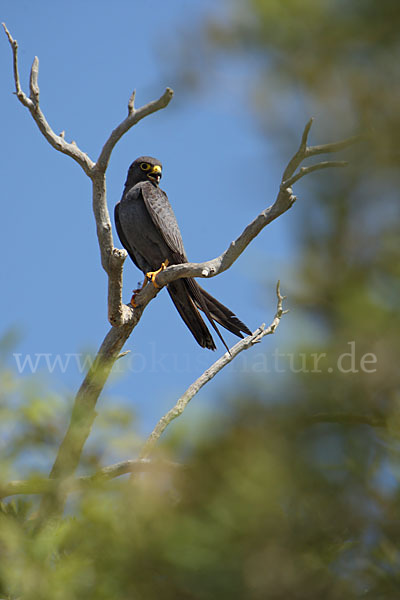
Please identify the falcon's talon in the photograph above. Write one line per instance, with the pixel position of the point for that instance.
(151, 275)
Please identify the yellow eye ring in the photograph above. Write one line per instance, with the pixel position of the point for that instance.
(145, 166)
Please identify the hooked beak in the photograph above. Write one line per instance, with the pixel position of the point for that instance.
(155, 174)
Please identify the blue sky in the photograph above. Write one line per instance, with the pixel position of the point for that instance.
(92, 55)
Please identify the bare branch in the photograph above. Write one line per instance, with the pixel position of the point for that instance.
(103, 225)
(300, 155)
(33, 81)
(32, 104)
(210, 373)
(305, 151)
(304, 137)
(131, 103)
(306, 170)
(14, 47)
(134, 116)
(138, 465)
(83, 413)
(333, 147)
(118, 313)
(39, 485)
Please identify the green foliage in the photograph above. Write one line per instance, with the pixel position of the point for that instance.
(269, 507)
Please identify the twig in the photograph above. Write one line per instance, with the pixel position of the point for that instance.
(41, 485)
(210, 373)
(306, 170)
(333, 147)
(14, 46)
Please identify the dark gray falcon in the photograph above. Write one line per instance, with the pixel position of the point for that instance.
(148, 230)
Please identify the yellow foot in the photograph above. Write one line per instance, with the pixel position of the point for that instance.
(151, 275)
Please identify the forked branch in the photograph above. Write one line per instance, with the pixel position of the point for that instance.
(32, 103)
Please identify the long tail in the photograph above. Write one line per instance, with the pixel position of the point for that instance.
(189, 297)
(223, 315)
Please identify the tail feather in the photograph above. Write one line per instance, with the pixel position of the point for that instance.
(197, 297)
(190, 315)
(188, 297)
(224, 316)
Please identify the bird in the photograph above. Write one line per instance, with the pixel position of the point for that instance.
(148, 230)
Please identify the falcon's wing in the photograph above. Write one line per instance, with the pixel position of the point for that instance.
(121, 235)
(163, 217)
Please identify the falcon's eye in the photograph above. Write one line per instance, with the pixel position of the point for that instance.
(145, 166)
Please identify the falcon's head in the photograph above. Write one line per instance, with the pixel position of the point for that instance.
(142, 169)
